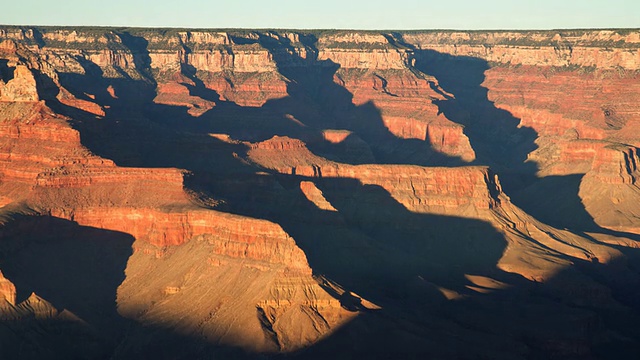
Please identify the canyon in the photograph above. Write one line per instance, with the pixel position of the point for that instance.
(184, 193)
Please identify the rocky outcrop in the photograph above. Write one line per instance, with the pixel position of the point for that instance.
(313, 194)
(256, 305)
(461, 190)
(361, 51)
(616, 164)
(407, 108)
(36, 322)
(450, 140)
(21, 88)
(7, 290)
(235, 236)
(610, 191)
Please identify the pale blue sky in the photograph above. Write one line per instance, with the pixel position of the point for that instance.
(328, 14)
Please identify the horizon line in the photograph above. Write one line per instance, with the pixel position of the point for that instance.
(150, 27)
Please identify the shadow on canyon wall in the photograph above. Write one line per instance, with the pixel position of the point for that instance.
(314, 103)
(74, 268)
(495, 134)
(373, 246)
(77, 270)
(409, 263)
(319, 102)
(501, 143)
(6, 72)
(400, 268)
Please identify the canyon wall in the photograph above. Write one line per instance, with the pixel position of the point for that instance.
(308, 192)
(586, 48)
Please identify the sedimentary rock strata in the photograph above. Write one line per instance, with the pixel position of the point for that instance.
(309, 193)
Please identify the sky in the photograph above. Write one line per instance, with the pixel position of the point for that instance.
(327, 14)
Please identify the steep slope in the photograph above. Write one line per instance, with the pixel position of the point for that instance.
(45, 168)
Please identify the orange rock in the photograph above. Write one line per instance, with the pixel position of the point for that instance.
(335, 136)
(7, 290)
(616, 164)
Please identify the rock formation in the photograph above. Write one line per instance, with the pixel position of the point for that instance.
(7, 290)
(313, 193)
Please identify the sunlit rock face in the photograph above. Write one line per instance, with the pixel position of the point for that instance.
(315, 194)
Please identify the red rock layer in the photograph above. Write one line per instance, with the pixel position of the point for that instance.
(248, 89)
(461, 190)
(150, 204)
(592, 105)
(176, 93)
(571, 111)
(616, 164)
(43, 153)
(236, 236)
(40, 152)
(407, 110)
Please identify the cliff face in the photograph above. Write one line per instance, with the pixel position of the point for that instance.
(595, 48)
(299, 188)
